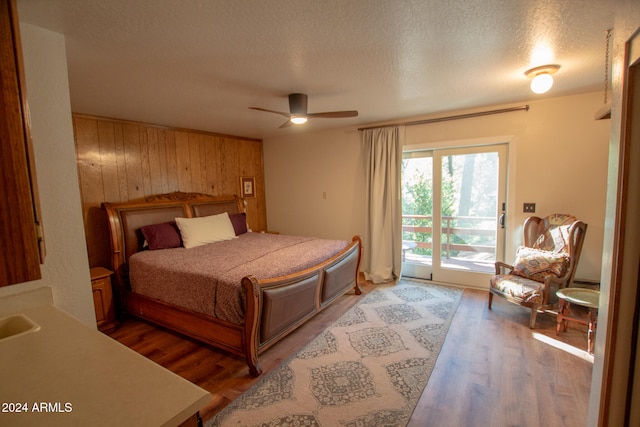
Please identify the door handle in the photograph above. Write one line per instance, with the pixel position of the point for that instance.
(501, 219)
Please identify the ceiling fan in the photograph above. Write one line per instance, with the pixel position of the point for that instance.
(298, 111)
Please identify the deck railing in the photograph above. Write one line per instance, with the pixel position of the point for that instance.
(460, 226)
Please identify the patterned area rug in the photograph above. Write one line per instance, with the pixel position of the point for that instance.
(368, 369)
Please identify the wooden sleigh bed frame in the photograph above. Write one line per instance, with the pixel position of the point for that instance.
(274, 307)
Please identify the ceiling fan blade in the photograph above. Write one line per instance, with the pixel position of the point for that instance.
(334, 114)
(270, 111)
(285, 124)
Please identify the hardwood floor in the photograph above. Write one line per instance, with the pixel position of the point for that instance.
(492, 371)
(495, 371)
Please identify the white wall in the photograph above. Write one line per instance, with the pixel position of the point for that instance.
(560, 163)
(300, 169)
(66, 268)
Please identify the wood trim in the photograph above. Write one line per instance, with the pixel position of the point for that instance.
(26, 114)
(619, 359)
(19, 206)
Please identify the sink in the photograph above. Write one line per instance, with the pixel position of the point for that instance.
(16, 325)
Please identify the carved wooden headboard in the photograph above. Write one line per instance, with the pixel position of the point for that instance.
(126, 218)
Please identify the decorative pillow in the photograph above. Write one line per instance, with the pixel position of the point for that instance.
(162, 236)
(536, 265)
(206, 229)
(239, 222)
(554, 233)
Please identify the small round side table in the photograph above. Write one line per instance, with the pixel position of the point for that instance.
(588, 298)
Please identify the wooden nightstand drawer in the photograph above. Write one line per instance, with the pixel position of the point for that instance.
(103, 299)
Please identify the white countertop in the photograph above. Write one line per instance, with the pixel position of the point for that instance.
(82, 377)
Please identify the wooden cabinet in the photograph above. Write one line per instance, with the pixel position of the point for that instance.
(103, 299)
(21, 244)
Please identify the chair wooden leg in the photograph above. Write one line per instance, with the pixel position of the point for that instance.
(532, 321)
(490, 299)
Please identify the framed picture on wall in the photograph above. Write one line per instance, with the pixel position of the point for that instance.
(248, 186)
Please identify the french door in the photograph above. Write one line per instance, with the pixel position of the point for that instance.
(453, 213)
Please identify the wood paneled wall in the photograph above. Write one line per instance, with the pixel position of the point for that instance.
(120, 161)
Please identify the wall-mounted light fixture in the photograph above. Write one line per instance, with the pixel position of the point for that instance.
(541, 80)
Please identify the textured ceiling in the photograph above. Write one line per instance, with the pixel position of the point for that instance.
(201, 63)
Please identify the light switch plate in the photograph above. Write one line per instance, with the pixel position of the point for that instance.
(529, 208)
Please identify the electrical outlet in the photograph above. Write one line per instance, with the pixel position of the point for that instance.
(529, 208)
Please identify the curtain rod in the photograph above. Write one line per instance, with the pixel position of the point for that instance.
(460, 116)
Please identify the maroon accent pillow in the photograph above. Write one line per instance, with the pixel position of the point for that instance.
(162, 236)
(239, 222)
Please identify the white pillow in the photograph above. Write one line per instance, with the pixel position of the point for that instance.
(206, 229)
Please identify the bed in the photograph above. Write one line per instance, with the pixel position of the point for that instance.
(247, 306)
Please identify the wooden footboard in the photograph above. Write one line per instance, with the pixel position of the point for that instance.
(276, 307)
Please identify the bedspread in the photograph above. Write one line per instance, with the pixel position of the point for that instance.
(207, 279)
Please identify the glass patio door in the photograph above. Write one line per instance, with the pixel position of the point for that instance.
(453, 203)
(417, 214)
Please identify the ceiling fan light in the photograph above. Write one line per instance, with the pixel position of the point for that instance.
(541, 83)
(298, 120)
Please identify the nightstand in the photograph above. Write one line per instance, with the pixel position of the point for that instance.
(103, 299)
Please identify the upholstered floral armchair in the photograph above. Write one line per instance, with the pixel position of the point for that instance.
(547, 262)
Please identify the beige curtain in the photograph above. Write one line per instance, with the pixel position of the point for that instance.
(382, 253)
